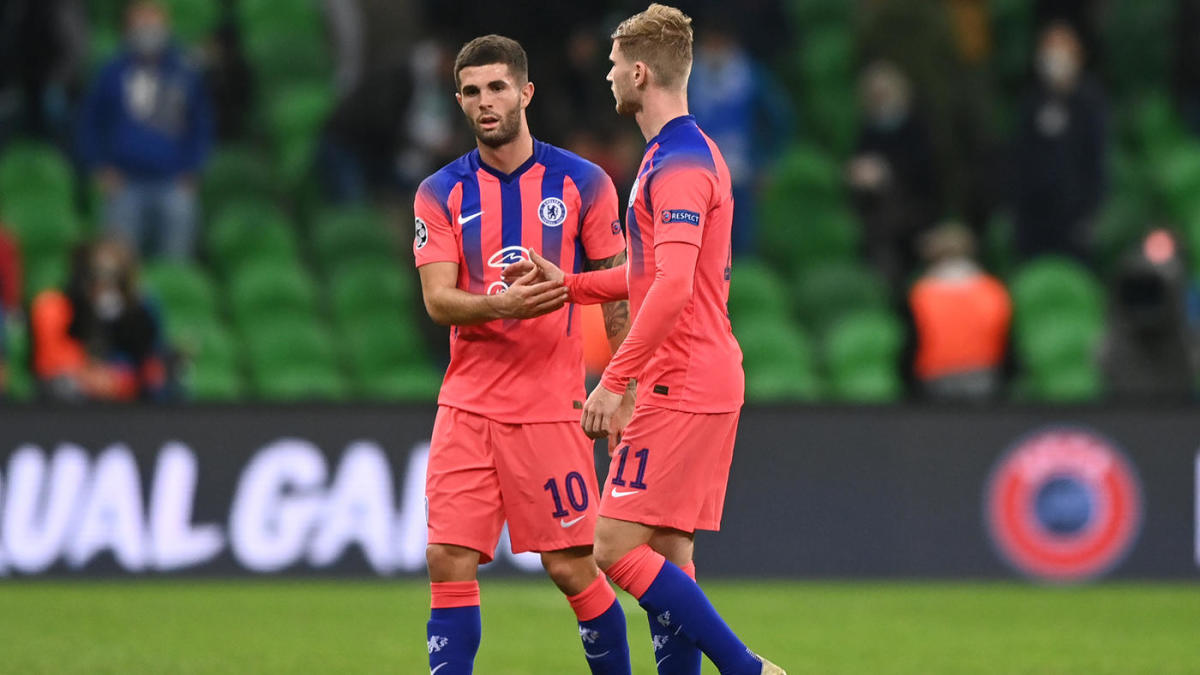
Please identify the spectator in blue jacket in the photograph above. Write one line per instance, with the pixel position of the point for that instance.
(145, 132)
(736, 102)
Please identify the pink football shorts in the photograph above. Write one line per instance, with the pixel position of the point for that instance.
(540, 477)
(671, 469)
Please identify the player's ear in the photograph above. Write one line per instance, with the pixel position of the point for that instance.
(641, 74)
(526, 94)
(458, 97)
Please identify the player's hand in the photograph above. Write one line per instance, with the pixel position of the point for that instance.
(511, 273)
(527, 298)
(549, 271)
(621, 419)
(600, 413)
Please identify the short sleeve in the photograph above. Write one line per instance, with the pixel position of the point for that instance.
(435, 240)
(681, 196)
(600, 229)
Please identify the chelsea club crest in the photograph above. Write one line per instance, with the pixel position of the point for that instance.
(552, 212)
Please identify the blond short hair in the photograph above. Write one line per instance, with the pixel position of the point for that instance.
(660, 37)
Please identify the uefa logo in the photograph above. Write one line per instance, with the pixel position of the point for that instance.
(1063, 505)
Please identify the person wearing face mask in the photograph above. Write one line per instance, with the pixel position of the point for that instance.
(99, 339)
(892, 175)
(145, 131)
(1059, 168)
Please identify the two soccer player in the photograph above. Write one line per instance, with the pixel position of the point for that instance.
(669, 475)
(506, 441)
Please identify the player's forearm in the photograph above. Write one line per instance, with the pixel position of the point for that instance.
(456, 307)
(616, 322)
(669, 294)
(593, 288)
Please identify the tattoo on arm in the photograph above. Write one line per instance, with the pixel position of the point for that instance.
(616, 314)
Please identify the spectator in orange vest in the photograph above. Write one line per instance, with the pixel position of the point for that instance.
(98, 340)
(961, 317)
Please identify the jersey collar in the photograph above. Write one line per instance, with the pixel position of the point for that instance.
(509, 177)
(674, 124)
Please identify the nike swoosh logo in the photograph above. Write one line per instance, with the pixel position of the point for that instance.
(569, 523)
(618, 494)
(440, 666)
(589, 655)
(659, 663)
(464, 221)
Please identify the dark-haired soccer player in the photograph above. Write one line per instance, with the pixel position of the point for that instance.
(668, 477)
(506, 441)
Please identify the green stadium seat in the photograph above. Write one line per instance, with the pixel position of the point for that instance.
(383, 343)
(809, 236)
(217, 383)
(418, 383)
(19, 385)
(827, 292)
(838, 13)
(44, 227)
(1061, 341)
(1135, 36)
(1178, 178)
(363, 290)
(235, 174)
(46, 273)
(1122, 223)
(283, 59)
(778, 358)
(29, 170)
(862, 354)
(756, 290)
(1072, 384)
(352, 234)
(1052, 287)
(299, 18)
(250, 231)
(294, 359)
(267, 290)
(827, 58)
(182, 288)
(193, 21)
(295, 115)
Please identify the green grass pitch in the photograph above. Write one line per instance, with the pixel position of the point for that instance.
(376, 627)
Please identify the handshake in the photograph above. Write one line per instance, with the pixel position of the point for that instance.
(534, 287)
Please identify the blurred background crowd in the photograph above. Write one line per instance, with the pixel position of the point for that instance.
(976, 200)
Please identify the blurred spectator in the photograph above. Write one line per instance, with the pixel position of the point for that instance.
(961, 318)
(43, 49)
(1186, 69)
(228, 78)
(739, 105)
(1084, 18)
(1061, 147)
(146, 130)
(1149, 352)
(99, 340)
(578, 96)
(430, 131)
(892, 174)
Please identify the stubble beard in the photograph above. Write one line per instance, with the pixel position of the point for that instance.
(504, 133)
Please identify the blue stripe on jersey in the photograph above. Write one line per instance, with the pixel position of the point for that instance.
(578, 268)
(510, 206)
(552, 186)
(472, 244)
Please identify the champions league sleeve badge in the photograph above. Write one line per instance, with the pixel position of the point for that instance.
(1063, 505)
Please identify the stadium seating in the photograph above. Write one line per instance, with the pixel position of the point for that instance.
(250, 230)
(292, 359)
(795, 239)
(779, 360)
(351, 235)
(193, 20)
(183, 289)
(758, 291)
(365, 289)
(862, 354)
(35, 171)
(267, 291)
(295, 114)
(826, 292)
(1050, 288)
(234, 174)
